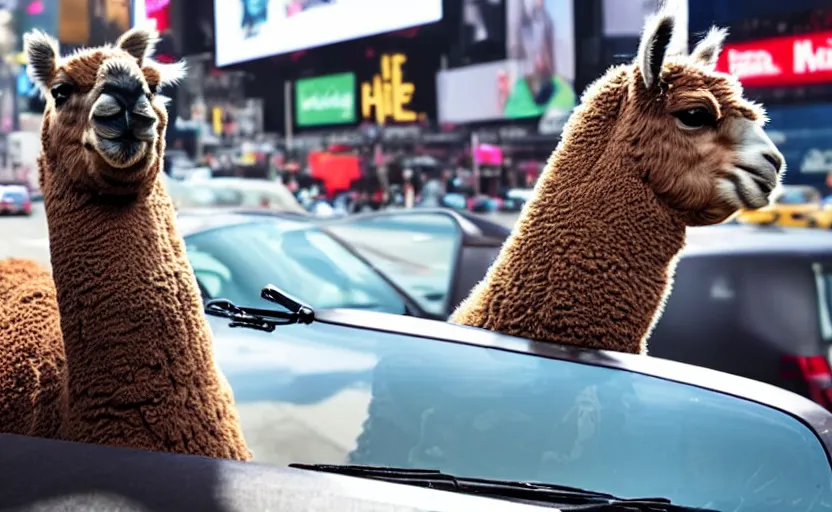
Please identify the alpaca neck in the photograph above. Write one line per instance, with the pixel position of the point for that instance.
(138, 347)
(592, 255)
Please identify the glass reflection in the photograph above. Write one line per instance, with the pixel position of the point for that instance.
(382, 399)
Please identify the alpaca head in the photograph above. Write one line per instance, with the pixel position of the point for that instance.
(104, 123)
(688, 130)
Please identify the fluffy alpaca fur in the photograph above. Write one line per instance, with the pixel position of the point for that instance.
(31, 351)
(655, 146)
(140, 369)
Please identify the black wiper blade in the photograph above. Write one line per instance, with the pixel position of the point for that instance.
(263, 319)
(565, 497)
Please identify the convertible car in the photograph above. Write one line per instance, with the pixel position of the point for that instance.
(342, 387)
(763, 289)
(479, 418)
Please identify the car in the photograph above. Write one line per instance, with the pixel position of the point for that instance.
(822, 218)
(794, 206)
(373, 389)
(417, 262)
(755, 301)
(764, 290)
(15, 199)
(232, 192)
(755, 284)
(327, 390)
(483, 420)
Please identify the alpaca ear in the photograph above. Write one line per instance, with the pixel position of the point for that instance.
(42, 53)
(708, 50)
(658, 32)
(171, 74)
(139, 42)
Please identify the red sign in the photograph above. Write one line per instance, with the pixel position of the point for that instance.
(158, 10)
(780, 61)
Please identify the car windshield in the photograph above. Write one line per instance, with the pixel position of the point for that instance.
(375, 398)
(235, 262)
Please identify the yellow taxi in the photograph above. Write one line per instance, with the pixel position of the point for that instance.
(823, 217)
(794, 206)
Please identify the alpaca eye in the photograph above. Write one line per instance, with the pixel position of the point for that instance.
(695, 118)
(61, 93)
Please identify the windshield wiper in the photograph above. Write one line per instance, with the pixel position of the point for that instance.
(263, 319)
(564, 497)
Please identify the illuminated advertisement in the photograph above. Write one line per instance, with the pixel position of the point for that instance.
(781, 61)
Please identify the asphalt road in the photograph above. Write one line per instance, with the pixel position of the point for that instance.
(281, 432)
(25, 237)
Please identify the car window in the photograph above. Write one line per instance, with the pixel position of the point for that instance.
(212, 275)
(417, 252)
(337, 395)
(237, 261)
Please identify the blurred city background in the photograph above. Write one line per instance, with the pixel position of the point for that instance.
(451, 102)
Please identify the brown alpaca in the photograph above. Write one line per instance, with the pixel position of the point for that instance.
(655, 146)
(31, 351)
(140, 364)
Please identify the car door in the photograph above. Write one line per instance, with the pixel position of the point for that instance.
(417, 251)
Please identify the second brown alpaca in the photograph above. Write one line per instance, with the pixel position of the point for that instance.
(140, 369)
(655, 146)
(32, 357)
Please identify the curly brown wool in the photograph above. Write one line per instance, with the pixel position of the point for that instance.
(591, 259)
(31, 351)
(140, 368)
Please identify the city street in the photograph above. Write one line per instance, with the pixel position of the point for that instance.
(25, 237)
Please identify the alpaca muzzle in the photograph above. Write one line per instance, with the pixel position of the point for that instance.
(757, 166)
(117, 116)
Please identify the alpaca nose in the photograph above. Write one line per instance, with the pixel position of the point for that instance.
(776, 161)
(122, 110)
(125, 96)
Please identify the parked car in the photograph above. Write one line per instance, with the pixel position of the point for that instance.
(754, 301)
(374, 389)
(233, 192)
(822, 218)
(15, 199)
(417, 262)
(794, 206)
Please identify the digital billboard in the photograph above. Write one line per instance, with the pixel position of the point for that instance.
(252, 29)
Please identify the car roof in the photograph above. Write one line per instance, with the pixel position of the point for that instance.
(35, 475)
(476, 230)
(743, 239)
(198, 220)
(14, 186)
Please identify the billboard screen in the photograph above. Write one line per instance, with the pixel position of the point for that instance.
(325, 100)
(780, 61)
(537, 77)
(252, 29)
